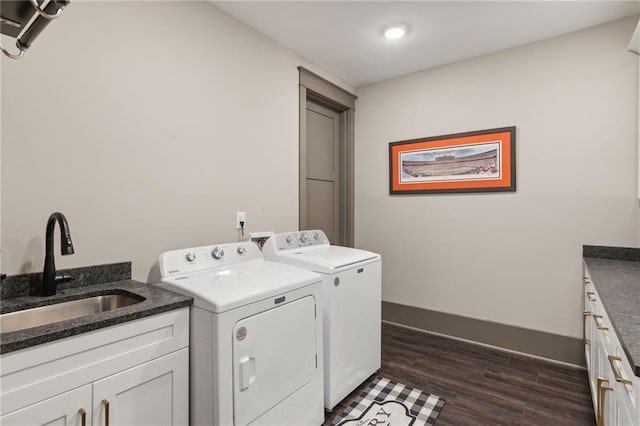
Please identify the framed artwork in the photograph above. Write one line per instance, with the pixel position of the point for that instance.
(479, 161)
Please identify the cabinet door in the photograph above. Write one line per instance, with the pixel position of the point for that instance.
(596, 371)
(590, 353)
(614, 411)
(627, 394)
(621, 416)
(62, 410)
(588, 334)
(154, 393)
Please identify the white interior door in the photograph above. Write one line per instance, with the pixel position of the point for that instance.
(274, 355)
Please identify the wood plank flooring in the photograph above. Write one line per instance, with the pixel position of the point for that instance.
(483, 385)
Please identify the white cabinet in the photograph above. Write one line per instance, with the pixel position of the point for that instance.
(615, 389)
(62, 410)
(150, 394)
(130, 374)
(590, 344)
(154, 393)
(618, 403)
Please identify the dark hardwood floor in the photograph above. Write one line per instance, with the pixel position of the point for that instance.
(483, 385)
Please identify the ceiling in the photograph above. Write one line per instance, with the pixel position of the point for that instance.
(345, 37)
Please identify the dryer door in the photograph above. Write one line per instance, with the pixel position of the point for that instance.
(274, 354)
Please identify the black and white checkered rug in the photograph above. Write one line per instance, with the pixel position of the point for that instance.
(384, 402)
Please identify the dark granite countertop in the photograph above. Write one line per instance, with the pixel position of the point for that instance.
(615, 273)
(156, 300)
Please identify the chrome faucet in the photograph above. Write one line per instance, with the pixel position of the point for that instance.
(49, 279)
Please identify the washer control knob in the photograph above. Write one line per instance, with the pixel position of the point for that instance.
(303, 237)
(289, 239)
(191, 256)
(217, 253)
(241, 250)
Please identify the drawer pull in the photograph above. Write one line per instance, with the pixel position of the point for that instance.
(105, 402)
(601, 399)
(616, 372)
(585, 314)
(83, 417)
(591, 296)
(598, 323)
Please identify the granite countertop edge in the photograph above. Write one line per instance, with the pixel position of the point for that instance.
(615, 273)
(156, 301)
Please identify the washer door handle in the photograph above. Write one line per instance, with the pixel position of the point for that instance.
(247, 367)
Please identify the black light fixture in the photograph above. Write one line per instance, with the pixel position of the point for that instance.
(25, 20)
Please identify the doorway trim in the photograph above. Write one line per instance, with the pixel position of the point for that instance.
(316, 89)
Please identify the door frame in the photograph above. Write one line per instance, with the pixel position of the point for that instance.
(318, 90)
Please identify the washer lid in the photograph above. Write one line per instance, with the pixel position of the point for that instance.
(325, 258)
(224, 289)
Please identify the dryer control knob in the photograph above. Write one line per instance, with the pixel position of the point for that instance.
(303, 237)
(191, 256)
(241, 250)
(289, 239)
(217, 253)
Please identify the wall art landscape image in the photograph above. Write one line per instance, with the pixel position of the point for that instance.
(468, 162)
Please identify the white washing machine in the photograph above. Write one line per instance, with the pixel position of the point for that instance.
(351, 281)
(256, 353)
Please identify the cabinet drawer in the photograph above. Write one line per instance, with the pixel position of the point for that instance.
(589, 292)
(602, 329)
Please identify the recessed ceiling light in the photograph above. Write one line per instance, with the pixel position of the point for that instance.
(395, 32)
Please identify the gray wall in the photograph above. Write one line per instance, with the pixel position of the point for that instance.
(148, 125)
(512, 258)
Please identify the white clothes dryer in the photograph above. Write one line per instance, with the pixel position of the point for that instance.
(256, 353)
(351, 281)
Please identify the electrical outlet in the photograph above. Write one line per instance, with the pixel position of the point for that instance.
(241, 217)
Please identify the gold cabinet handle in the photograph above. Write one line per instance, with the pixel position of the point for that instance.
(105, 402)
(598, 324)
(591, 296)
(616, 373)
(585, 314)
(601, 398)
(83, 417)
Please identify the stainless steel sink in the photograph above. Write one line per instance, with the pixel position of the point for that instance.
(34, 317)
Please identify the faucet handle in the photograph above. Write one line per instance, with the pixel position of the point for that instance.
(64, 278)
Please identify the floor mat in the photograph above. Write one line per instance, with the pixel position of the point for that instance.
(384, 402)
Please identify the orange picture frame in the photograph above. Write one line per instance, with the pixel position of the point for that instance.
(478, 161)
